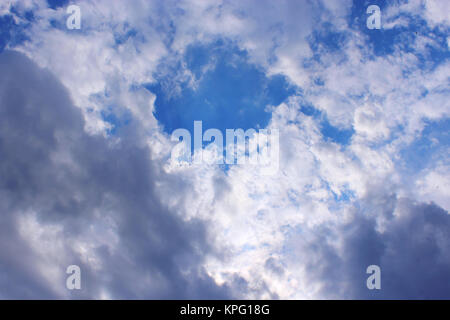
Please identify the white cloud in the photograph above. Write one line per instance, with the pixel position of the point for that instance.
(434, 185)
(436, 11)
(252, 218)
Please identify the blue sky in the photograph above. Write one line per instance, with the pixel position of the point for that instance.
(363, 172)
(234, 93)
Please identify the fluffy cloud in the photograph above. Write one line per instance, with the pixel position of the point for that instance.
(141, 228)
(71, 198)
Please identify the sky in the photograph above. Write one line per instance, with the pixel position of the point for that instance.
(87, 176)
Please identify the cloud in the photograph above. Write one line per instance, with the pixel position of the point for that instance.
(71, 198)
(76, 189)
(411, 249)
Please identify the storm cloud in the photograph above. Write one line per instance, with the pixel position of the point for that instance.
(85, 185)
(411, 245)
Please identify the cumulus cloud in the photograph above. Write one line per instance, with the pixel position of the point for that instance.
(71, 198)
(74, 192)
(410, 246)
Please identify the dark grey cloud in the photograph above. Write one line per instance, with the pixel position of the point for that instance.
(50, 166)
(411, 245)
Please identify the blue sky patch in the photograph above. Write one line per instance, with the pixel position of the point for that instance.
(116, 122)
(335, 134)
(229, 93)
(55, 4)
(12, 34)
(431, 146)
